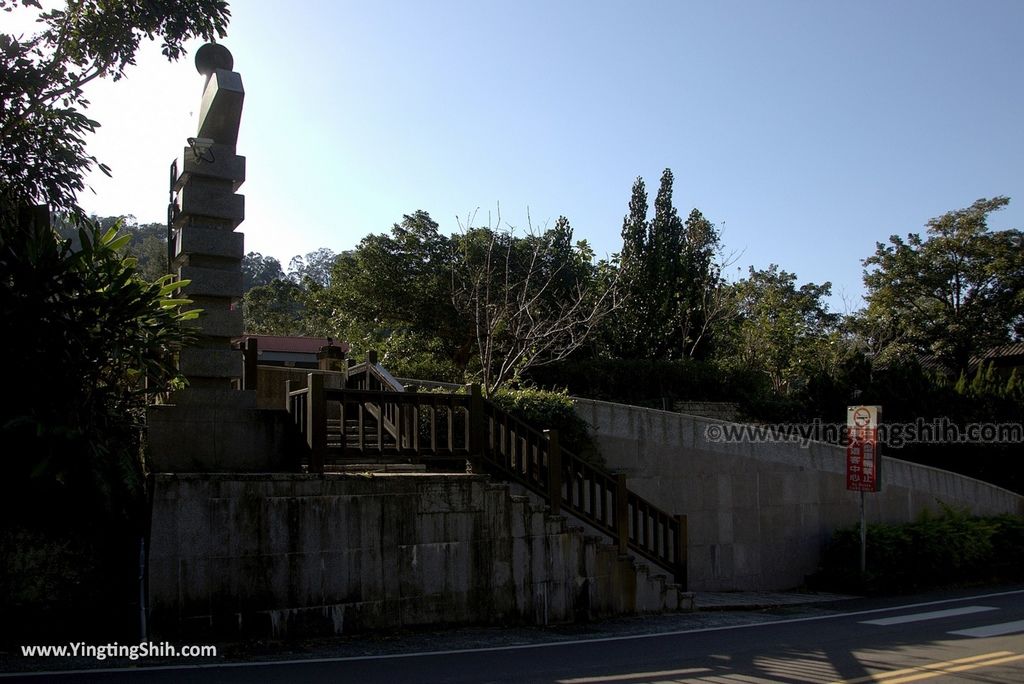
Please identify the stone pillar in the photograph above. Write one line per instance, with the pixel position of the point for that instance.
(205, 212)
(331, 357)
(210, 426)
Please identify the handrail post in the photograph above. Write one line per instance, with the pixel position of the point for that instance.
(371, 381)
(288, 384)
(622, 513)
(476, 423)
(682, 555)
(249, 372)
(316, 422)
(554, 472)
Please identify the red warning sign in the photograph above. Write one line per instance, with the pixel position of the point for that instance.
(862, 448)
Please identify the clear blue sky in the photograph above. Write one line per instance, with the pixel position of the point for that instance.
(807, 130)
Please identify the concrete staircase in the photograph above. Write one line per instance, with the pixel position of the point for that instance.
(615, 583)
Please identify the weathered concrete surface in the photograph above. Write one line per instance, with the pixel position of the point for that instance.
(286, 555)
(221, 110)
(759, 514)
(223, 437)
(719, 410)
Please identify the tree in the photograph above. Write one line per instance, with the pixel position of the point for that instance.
(87, 326)
(672, 290)
(150, 253)
(90, 342)
(43, 126)
(631, 325)
(277, 308)
(523, 310)
(147, 242)
(703, 302)
(665, 264)
(393, 293)
(953, 293)
(314, 269)
(779, 327)
(259, 270)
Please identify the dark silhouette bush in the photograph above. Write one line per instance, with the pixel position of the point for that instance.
(950, 549)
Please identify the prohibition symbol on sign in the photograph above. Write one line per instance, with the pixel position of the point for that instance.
(861, 417)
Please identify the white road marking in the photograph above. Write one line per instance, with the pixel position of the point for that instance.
(935, 667)
(513, 647)
(633, 675)
(933, 615)
(992, 630)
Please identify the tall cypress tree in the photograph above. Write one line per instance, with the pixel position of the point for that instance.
(634, 228)
(668, 275)
(631, 329)
(666, 246)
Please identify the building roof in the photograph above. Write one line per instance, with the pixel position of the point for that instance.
(932, 363)
(1007, 355)
(1005, 351)
(300, 345)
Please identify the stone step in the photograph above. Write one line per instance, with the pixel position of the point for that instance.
(396, 467)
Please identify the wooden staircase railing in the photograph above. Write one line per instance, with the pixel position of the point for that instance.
(426, 426)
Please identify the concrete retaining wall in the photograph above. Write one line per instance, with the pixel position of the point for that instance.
(221, 431)
(759, 514)
(719, 410)
(287, 555)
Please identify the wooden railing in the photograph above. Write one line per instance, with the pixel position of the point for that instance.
(369, 375)
(346, 423)
(536, 460)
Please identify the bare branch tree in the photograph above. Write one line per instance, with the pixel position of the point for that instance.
(717, 302)
(530, 300)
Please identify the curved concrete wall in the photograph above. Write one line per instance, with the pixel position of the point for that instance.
(759, 513)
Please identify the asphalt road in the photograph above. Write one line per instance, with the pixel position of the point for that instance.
(976, 637)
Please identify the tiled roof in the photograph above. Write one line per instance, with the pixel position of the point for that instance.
(301, 345)
(1004, 351)
(930, 362)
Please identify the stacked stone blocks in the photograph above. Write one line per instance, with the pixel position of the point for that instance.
(207, 251)
(211, 426)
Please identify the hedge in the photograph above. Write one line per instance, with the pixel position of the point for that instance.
(949, 549)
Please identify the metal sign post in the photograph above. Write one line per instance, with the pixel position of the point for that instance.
(863, 537)
(862, 463)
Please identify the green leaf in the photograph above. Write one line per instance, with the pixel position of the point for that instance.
(119, 243)
(170, 287)
(109, 235)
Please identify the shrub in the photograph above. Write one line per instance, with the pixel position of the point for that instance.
(550, 410)
(646, 382)
(947, 549)
(88, 345)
